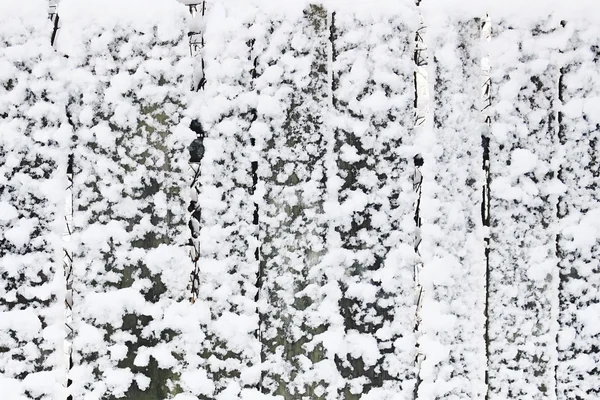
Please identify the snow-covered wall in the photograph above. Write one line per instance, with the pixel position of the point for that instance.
(371, 202)
(363, 229)
(579, 239)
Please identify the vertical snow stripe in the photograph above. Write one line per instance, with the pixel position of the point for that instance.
(452, 246)
(227, 265)
(579, 242)
(130, 259)
(523, 167)
(292, 97)
(373, 214)
(33, 158)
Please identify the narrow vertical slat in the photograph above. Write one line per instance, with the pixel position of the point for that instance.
(578, 375)
(523, 264)
(452, 247)
(33, 159)
(373, 215)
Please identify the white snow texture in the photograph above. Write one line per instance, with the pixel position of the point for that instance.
(364, 223)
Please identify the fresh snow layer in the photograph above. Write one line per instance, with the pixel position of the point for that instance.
(134, 12)
(129, 79)
(451, 333)
(524, 164)
(333, 307)
(32, 9)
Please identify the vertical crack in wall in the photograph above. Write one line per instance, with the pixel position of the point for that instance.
(331, 58)
(253, 116)
(196, 149)
(196, 42)
(421, 101)
(263, 232)
(486, 33)
(417, 182)
(68, 261)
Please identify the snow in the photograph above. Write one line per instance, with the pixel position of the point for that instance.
(32, 10)
(130, 259)
(451, 315)
(364, 275)
(526, 12)
(32, 183)
(578, 237)
(198, 383)
(523, 160)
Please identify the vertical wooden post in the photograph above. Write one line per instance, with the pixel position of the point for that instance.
(375, 232)
(578, 243)
(229, 350)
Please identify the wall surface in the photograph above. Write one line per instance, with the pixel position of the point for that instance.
(299, 200)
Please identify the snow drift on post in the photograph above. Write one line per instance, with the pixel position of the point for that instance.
(228, 357)
(292, 90)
